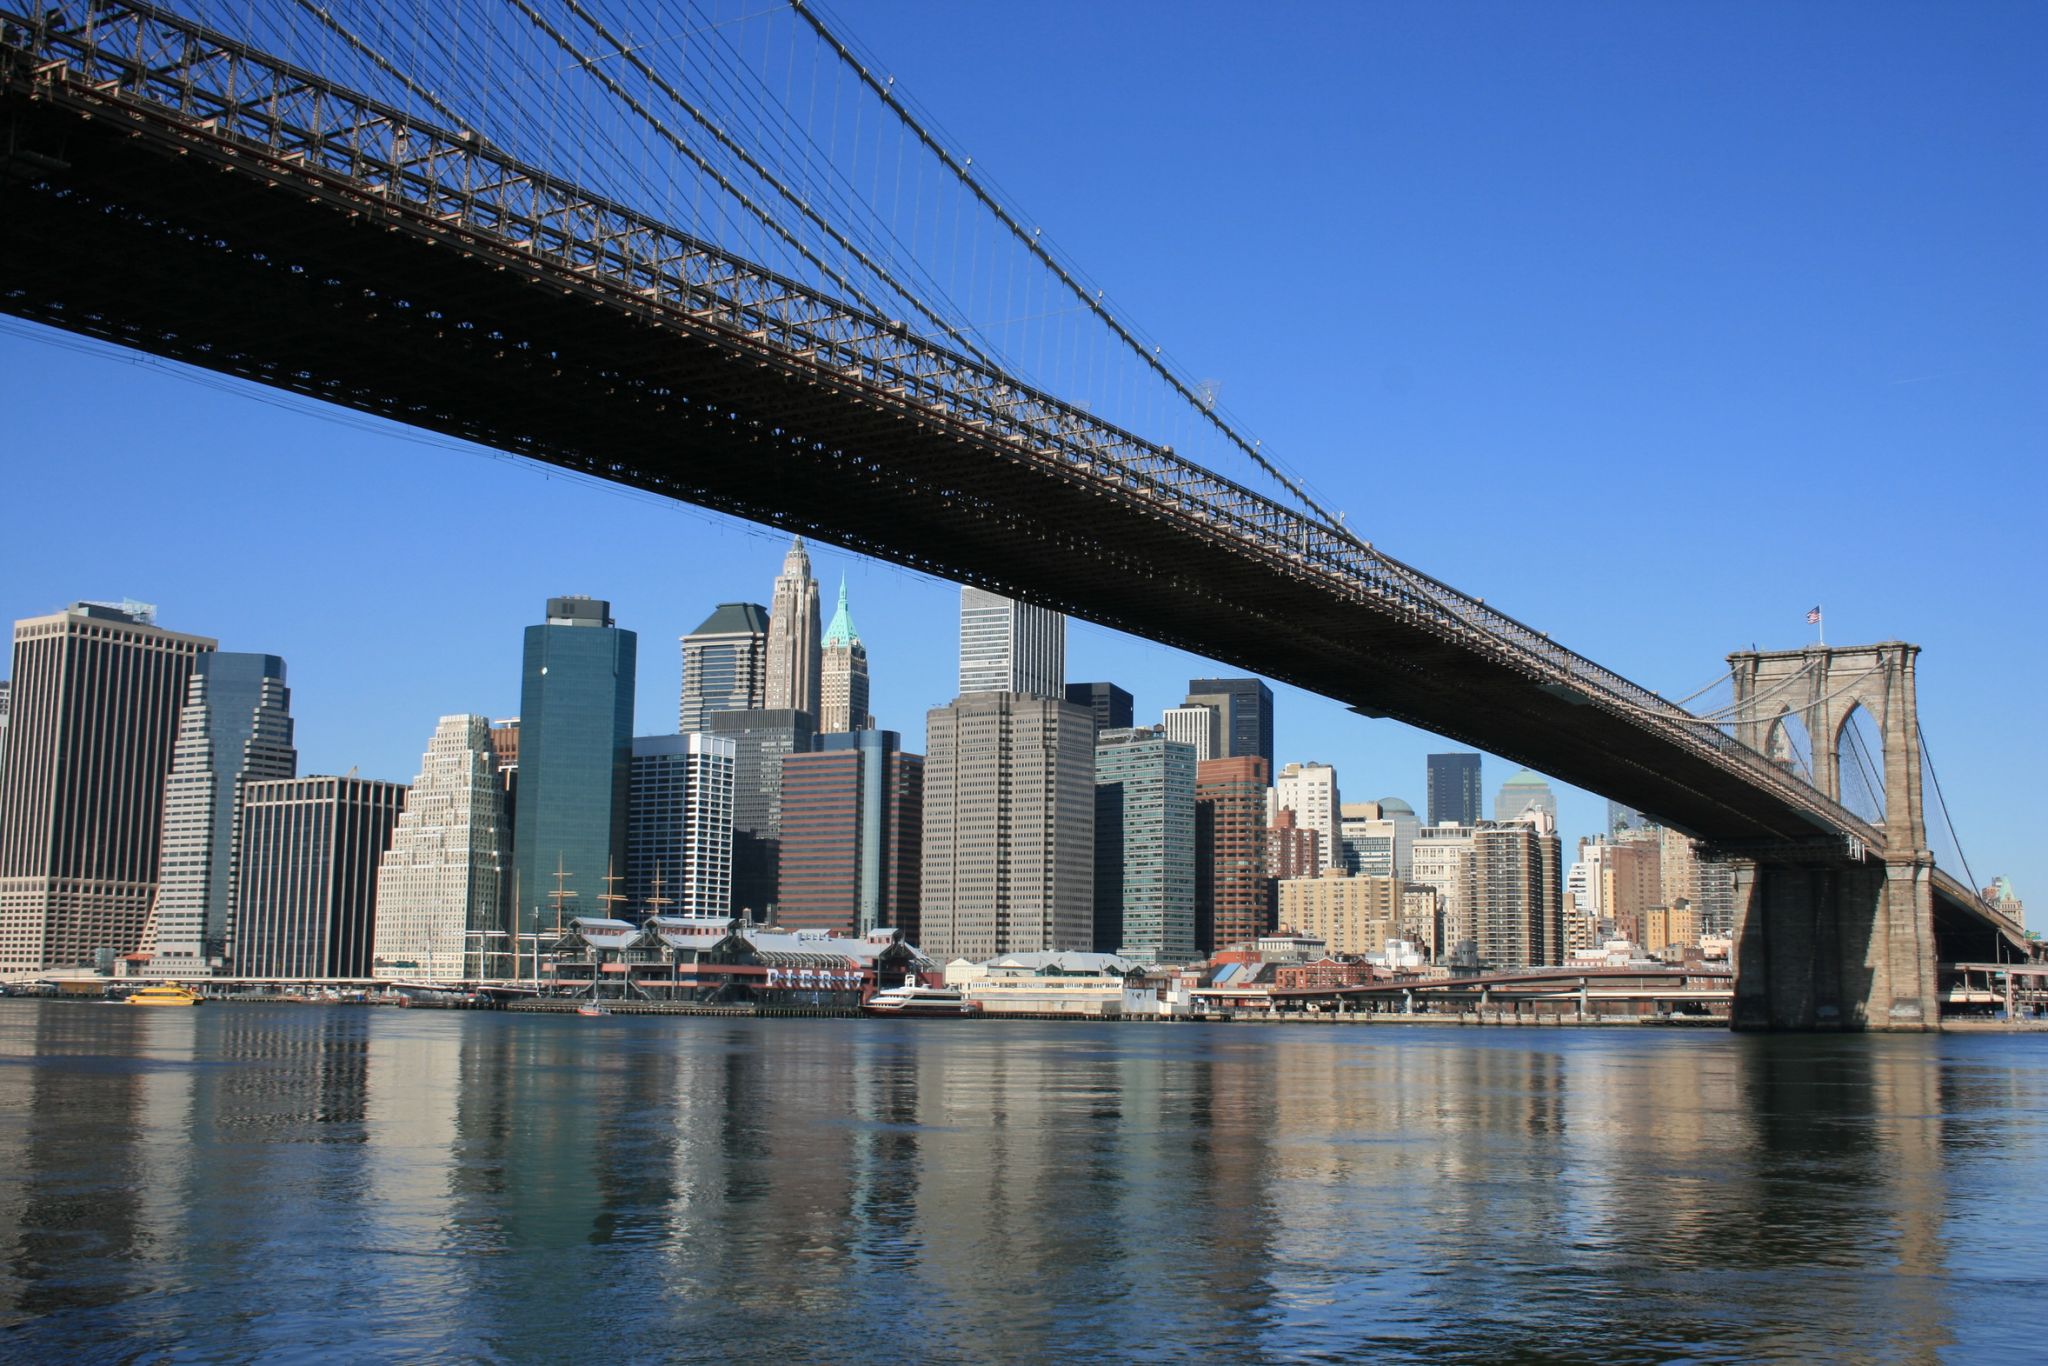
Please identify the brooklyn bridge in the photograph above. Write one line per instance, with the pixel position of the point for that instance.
(529, 233)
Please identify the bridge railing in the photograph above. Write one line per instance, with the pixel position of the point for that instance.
(200, 84)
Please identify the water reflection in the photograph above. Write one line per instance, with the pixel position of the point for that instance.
(249, 1181)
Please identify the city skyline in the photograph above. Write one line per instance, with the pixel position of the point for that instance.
(1785, 377)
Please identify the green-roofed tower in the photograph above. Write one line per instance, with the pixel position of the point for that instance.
(843, 688)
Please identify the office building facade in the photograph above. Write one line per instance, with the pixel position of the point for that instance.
(1443, 860)
(1233, 894)
(1110, 704)
(307, 855)
(235, 727)
(761, 741)
(794, 659)
(1009, 827)
(679, 826)
(1526, 791)
(1011, 647)
(440, 883)
(1518, 893)
(575, 761)
(1145, 846)
(1244, 715)
(1454, 797)
(92, 729)
(1310, 792)
(725, 665)
(852, 835)
(1194, 727)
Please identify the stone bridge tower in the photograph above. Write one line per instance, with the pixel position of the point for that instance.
(1838, 933)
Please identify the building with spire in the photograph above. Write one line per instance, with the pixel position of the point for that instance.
(236, 727)
(843, 675)
(793, 648)
(725, 665)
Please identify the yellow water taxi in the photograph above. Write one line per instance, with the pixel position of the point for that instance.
(169, 994)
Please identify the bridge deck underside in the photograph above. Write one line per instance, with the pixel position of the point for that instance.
(119, 235)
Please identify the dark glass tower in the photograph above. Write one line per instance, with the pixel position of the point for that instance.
(1454, 789)
(1111, 704)
(575, 762)
(1244, 716)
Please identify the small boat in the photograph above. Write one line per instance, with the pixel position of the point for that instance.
(169, 994)
(911, 999)
(591, 1009)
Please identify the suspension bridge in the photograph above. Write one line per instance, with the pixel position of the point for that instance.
(722, 258)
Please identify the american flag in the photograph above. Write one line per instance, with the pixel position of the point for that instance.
(1813, 616)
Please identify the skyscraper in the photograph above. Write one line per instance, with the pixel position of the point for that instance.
(1310, 792)
(236, 727)
(1110, 704)
(761, 741)
(843, 675)
(440, 882)
(679, 835)
(852, 835)
(1233, 897)
(1244, 715)
(1011, 647)
(1454, 796)
(1144, 846)
(725, 665)
(1518, 892)
(306, 857)
(1526, 791)
(793, 637)
(1196, 727)
(575, 760)
(6, 691)
(1009, 827)
(92, 726)
(1443, 860)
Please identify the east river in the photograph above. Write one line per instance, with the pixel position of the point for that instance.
(311, 1183)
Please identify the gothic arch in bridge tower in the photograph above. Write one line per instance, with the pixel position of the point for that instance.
(1787, 744)
(1819, 690)
(1859, 764)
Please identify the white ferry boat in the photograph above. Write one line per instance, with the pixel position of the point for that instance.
(911, 999)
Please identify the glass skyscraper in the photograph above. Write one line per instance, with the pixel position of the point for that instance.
(575, 762)
(1009, 646)
(236, 727)
(1244, 716)
(1454, 789)
(725, 665)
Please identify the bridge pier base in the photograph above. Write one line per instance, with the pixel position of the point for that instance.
(1835, 946)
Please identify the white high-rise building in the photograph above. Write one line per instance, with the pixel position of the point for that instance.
(236, 727)
(1310, 792)
(679, 830)
(843, 678)
(1193, 726)
(439, 884)
(794, 661)
(1009, 646)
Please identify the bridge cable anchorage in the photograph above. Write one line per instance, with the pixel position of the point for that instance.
(1093, 302)
(753, 164)
(1927, 758)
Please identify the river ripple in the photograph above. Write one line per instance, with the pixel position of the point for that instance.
(285, 1183)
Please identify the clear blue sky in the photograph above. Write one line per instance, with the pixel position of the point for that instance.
(1652, 324)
